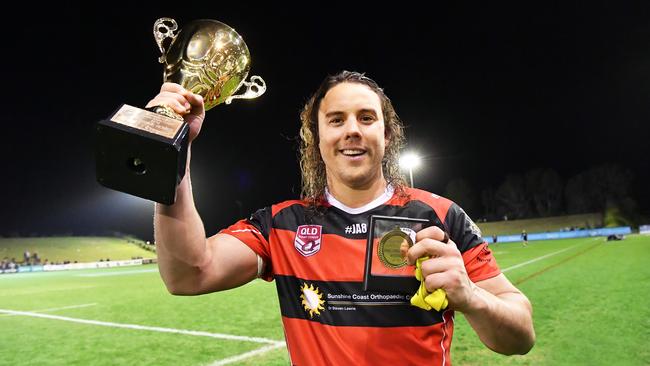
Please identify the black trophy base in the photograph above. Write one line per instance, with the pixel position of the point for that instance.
(141, 153)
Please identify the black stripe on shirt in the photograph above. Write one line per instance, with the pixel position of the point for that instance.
(346, 304)
(334, 220)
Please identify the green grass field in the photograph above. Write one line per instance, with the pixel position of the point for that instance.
(591, 303)
(540, 225)
(82, 249)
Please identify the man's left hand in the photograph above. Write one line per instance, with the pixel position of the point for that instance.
(445, 269)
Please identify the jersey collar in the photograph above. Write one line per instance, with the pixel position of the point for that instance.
(388, 193)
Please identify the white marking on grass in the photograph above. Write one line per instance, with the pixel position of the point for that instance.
(249, 354)
(142, 327)
(117, 273)
(539, 258)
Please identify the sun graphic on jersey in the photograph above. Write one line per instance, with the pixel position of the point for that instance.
(312, 299)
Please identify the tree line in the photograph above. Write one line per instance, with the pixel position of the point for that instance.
(542, 192)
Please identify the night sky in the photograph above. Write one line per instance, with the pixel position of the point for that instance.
(482, 91)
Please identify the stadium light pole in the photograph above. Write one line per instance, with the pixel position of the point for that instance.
(410, 161)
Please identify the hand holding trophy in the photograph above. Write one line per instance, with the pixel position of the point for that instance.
(143, 152)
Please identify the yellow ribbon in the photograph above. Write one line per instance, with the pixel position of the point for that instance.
(424, 299)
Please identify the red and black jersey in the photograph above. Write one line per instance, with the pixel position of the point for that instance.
(316, 258)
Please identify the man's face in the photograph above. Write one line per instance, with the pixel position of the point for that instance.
(351, 131)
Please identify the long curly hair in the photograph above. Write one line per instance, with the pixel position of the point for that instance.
(312, 166)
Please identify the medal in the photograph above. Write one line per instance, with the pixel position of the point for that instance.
(392, 248)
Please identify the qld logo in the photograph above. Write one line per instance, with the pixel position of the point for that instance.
(308, 239)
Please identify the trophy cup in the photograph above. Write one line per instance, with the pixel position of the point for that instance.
(389, 238)
(143, 152)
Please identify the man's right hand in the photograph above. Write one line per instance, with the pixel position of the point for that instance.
(183, 102)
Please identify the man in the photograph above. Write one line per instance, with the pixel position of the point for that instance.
(524, 237)
(351, 138)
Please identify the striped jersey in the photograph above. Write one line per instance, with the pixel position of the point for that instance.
(317, 257)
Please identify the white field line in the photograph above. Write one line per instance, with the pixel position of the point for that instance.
(539, 258)
(249, 354)
(118, 273)
(142, 327)
(57, 309)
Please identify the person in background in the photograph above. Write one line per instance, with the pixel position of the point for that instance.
(524, 237)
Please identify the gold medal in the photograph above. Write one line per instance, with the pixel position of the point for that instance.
(393, 247)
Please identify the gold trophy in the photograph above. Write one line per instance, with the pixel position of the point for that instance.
(143, 152)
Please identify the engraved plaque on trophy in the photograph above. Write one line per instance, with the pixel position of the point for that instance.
(143, 152)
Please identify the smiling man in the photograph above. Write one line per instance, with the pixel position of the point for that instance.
(314, 248)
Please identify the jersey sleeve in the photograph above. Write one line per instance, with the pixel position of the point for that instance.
(254, 232)
(479, 261)
(461, 229)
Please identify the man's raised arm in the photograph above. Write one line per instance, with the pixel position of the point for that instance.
(189, 263)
